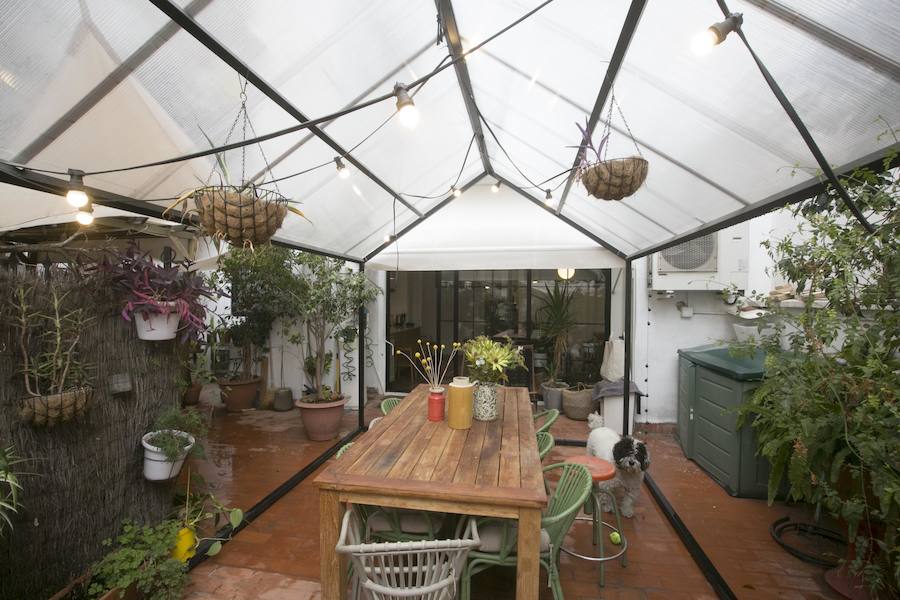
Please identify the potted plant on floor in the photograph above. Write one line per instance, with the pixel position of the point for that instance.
(160, 300)
(328, 298)
(260, 282)
(487, 362)
(195, 373)
(174, 435)
(827, 413)
(556, 320)
(49, 329)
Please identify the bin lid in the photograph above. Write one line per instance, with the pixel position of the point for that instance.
(718, 358)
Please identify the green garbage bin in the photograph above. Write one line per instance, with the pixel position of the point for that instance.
(712, 385)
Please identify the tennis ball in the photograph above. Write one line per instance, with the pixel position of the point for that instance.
(615, 538)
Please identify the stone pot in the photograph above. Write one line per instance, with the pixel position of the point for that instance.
(485, 402)
(240, 395)
(552, 391)
(322, 420)
(282, 399)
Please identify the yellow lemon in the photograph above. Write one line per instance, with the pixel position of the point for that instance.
(185, 545)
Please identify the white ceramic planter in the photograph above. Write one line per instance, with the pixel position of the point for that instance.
(153, 326)
(156, 466)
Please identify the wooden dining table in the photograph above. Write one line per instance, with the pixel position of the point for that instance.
(405, 461)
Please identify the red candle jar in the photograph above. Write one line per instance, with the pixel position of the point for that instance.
(436, 404)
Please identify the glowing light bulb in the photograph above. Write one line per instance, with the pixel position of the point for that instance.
(84, 217)
(76, 198)
(456, 192)
(406, 108)
(496, 187)
(342, 170)
(704, 42)
(566, 273)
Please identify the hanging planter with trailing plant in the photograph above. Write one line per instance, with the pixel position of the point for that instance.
(609, 178)
(49, 334)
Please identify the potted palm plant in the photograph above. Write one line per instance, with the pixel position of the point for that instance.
(328, 298)
(556, 320)
(487, 361)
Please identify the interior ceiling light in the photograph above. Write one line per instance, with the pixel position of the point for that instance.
(406, 108)
(566, 273)
(705, 41)
(85, 215)
(496, 187)
(76, 195)
(456, 192)
(343, 171)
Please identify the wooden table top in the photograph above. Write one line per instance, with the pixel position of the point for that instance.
(494, 462)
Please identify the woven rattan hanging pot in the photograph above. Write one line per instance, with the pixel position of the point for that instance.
(51, 409)
(616, 178)
(240, 217)
(609, 178)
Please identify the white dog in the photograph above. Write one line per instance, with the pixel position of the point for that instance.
(630, 458)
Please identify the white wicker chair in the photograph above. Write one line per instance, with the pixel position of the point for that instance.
(426, 570)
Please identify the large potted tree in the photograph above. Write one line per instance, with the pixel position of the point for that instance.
(260, 283)
(328, 299)
(827, 413)
(556, 320)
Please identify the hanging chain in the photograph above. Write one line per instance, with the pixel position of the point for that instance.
(244, 132)
(627, 127)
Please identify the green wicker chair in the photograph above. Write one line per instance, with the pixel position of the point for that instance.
(389, 404)
(549, 416)
(343, 449)
(545, 444)
(499, 536)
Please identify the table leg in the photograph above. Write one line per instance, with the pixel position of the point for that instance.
(332, 575)
(529, 546)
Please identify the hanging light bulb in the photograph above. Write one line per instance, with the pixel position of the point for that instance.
(406, 108)
(496, 187)
(76, 195)
(85, 214)
(456, 192)
(387, 237)
(548, 197)
(342, 170)
(566, 273)
(715, 34)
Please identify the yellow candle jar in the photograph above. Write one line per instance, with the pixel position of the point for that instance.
(460, 399)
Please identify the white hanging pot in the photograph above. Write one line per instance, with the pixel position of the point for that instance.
(154, 326)
(157, 467)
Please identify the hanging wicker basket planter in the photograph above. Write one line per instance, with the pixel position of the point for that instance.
(243, 218)
(52, 409)
(614, 179)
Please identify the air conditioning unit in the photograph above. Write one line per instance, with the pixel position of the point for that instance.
(711, 262)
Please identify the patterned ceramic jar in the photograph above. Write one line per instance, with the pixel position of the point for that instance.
(485, 402)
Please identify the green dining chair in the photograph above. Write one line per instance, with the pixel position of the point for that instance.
(499, 536)
(545, 444)
(343, 449)
(389, 404)
(550, 416)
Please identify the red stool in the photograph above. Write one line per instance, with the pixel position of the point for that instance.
(601, 470)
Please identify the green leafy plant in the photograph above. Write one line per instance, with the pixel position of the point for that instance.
(556, 320)
(827, 413)
(488, 361)
(172, 420)
(10, 488)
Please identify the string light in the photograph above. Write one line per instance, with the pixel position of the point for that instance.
(342, 170)
(456, 192)
(406, 108)
(85, 214)
(496, 187)
(548, 197)
(76, 195)
(715, 34)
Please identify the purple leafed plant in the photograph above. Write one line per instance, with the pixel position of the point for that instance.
(587, 144)
(151, 288)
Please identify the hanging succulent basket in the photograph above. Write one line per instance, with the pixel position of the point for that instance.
(52, 409)
(246, 217)
(614, 179)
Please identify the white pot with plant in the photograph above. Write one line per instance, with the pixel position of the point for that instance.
(167, 446)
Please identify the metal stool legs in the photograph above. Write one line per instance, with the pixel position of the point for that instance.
(594, 507)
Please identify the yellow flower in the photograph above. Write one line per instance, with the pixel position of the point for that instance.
(443, 346)
(418, 355)
(435, 346)
(418, 341)
(427, 368)
(399, 353)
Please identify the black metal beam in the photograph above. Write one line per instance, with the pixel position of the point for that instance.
(454, 43)
(199, 33)
(797, 193)
(598, 240)
(53, 185)
(829, 37)
(361, 359)
(422, 218)
(626, 378)
(615, 63)
(105, 86)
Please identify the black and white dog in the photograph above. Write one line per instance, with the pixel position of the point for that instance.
(630, 458)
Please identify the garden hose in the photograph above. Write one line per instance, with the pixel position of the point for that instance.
(784, 524)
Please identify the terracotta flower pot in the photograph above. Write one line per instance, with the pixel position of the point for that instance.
(240, 395)
(322, 420)
(192, 395)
